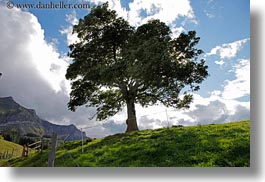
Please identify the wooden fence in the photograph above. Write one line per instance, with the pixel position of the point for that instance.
(7, 154)
(36, 145)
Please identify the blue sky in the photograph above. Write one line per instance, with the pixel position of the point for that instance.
(224, 28)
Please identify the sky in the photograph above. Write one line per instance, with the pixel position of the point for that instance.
(34, 46)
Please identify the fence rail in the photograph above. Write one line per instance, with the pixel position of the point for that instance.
(10, 153)
(36, 145)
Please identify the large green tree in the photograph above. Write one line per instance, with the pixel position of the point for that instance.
(115, 64)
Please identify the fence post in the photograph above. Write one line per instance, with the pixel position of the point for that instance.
(6, 154)
(12, 152)
(25, 151)
(82, 140)
(41, 143)
(53, 150)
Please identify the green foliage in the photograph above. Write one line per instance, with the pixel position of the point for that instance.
(115, 64)
(219, 145)
(7, 137)
(14, 136)
(26, 140)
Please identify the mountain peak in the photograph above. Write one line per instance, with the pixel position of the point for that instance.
(8, 103)
(26, 121)
(9, 98)
(11, 111)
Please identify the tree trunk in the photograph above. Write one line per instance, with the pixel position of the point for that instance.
(131, 121)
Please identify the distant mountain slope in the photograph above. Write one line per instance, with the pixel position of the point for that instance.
(64, 131)
(215, 145)
(12, 111)
(26, 121)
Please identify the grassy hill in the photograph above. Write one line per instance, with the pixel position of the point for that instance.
(207, 145)
(6, 145)
(10, 147)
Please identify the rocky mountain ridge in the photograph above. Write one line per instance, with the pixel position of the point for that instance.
(26, 121)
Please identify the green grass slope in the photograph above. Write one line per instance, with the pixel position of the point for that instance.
(12, 148)
(208, 145)
(6, 145)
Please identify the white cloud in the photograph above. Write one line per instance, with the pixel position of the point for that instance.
(167, 11)
(68, 30)
(209, 15)
(203, 110)
(33, 71)
(140, 11)
(228, 51)
(221, 106)
(176, 31)
(211, 9)
(29, 49)
(216, 93)
(114, 5)
(71, 18)
(47, 61)
(239, 87)
(221, 62)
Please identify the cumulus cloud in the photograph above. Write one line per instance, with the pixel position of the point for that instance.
(71, 19)
(33, 71)
(159, 9)
(24, 50)
(219, 110)
(221, 106)
(142, 10)
(240, 86)
(203, 110)
(229, 50)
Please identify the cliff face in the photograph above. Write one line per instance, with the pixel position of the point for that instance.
(12, 111)
(26, 121)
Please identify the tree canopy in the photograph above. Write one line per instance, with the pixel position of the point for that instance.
(115, 64)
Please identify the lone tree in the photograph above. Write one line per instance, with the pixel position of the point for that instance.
(115, 64)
